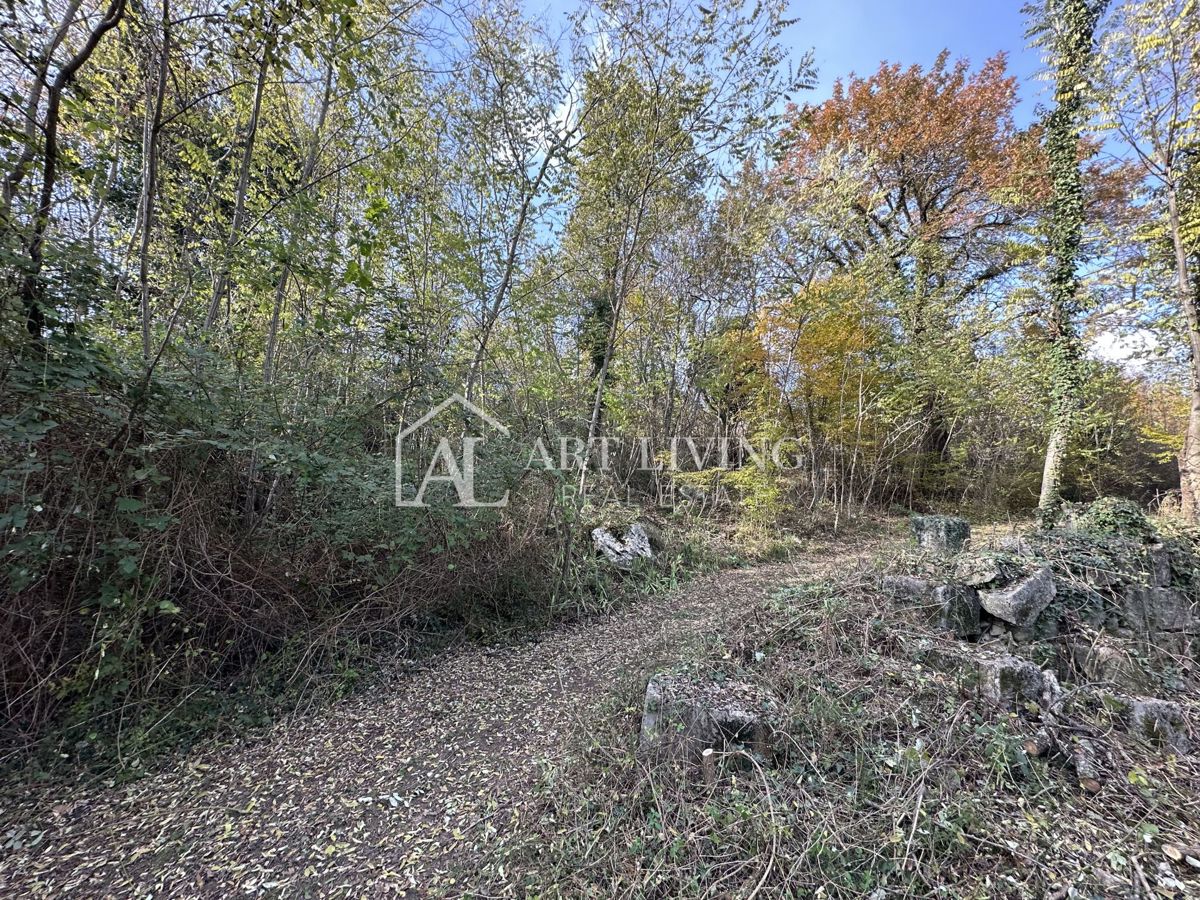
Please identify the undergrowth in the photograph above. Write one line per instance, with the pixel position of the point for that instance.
(182, 554)
(890, 779)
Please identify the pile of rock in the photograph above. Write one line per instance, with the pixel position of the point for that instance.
(1028, 588)
(950, 607)
(1096, 609)
(960, 607)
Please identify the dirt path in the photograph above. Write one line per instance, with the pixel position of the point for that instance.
(381, 794)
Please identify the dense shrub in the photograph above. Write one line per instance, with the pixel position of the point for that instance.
(162, 537)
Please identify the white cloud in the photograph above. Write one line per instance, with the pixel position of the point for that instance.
(1128, 349)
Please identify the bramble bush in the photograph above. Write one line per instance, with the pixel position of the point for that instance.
(165, 537)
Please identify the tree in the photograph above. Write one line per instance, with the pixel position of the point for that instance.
(918, 182)
(1069, 28)
(520, 125)
(660, 128)
(943, 168)
(1150, 98)
(32, 288)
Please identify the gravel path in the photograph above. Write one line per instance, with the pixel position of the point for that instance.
(381, 794)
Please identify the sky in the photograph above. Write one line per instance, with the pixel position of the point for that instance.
(856, 35)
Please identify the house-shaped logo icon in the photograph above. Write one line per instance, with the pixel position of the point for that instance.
(456, 469)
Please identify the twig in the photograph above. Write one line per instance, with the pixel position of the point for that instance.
(774, 829)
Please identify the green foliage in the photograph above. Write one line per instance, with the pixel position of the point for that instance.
(1116, 517)
(158, 537)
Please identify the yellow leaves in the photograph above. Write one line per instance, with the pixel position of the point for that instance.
(1170, 442)
(823, 342)
(730, 368)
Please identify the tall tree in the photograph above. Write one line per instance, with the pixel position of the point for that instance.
(32, 288)
(1068, 27)
(659, 128)
(919, 182)
(151, 130)
(942, 164)
(520, 124)
(1151, 98)
(221, 276)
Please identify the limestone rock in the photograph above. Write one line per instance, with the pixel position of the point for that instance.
(1159, 558)
(979, 570)
(906, 587)
(1159, 721)
(625, 550)
(1158, 609)
(1021, 603)
(1007, 680)
(683, 717)
(1053, 696)
(957, 609)
(1104, 659)
(1162, 722)
(1043, 628)
(1099, 573)
(944, 534)
(1168, 609)
(1015, 544)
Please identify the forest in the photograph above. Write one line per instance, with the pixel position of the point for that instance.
(245, 245)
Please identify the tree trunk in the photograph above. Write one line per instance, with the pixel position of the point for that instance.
(239, 208)
(1052, 468)
(20, 169)
(1065, 353)
(150, 177)
(1189, 459)
(1074, 47)
(310, 163)
(31, 285)
(529, 196)
(601, 379)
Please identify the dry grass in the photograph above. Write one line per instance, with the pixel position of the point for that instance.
(400, 789)
(512, 771)
(893, 780)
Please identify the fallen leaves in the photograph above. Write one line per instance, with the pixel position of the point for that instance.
(394, 791)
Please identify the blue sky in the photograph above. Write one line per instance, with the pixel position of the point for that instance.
(856, 35)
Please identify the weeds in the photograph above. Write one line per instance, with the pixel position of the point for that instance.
(887, 777)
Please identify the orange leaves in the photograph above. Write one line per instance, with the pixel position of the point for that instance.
(938, 143)
(910, 115)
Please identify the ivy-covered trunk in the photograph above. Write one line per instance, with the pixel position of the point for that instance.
(1072, 25)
